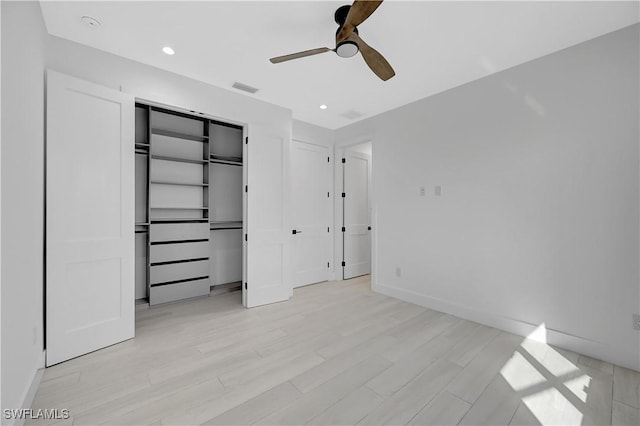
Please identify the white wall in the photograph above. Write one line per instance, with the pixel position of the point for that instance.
(23, 43)
(538, 218)
(311, 133)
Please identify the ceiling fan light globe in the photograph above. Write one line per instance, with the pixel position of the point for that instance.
(347, 49)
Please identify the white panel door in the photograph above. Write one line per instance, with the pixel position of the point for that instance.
(311, 212)
(89, 217)
(356, 234)
(266, 232)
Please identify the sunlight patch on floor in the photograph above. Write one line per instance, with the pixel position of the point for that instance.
(552, 387)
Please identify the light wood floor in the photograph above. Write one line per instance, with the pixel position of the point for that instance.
(336, 353)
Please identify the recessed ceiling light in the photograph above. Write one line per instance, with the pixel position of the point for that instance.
(323, 106)
(168, 50)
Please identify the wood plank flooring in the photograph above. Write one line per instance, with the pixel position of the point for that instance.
(336, 353)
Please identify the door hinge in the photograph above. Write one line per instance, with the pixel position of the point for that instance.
(246, 140)
(328, 229)
(344, 264)
(246, 237)
(328, 195)
(344, 195)
(245, 286)
(368, 228)
(246, 188)
(344, 160)
(328, 159)
(328, 265)
(344, 229)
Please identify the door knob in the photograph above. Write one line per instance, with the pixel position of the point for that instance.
(294, 232)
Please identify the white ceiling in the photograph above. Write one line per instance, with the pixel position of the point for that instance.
(433, 46)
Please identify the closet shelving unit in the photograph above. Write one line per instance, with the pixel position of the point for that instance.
(141, 201)
(189, 204)
(226, 195)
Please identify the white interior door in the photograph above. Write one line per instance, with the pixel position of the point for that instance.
(356, 232)
(266, 229)
(311, 205)
(89, 217)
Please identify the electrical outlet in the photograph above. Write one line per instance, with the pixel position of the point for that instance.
(398, 272)
(423, 191)
(437, 191)
(636, 321)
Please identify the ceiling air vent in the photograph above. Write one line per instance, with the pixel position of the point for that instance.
(352, 114)
(244, 87)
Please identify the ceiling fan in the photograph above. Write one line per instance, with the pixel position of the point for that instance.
(348, 42)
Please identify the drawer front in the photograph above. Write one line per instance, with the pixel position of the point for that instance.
(179, 271)
(178, 251)
(171, 292)
(179, 231)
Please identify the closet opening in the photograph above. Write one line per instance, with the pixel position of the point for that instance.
(190, 180)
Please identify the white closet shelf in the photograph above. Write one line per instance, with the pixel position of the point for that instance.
(178, 183)
(178, 135)
(179, 208)
(156, 220)
(232, 161)
(227, 224)
(179, 160)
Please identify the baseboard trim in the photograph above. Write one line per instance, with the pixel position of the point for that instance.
(29, 397)
(557, 338)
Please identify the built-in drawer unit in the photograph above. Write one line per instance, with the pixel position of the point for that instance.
(178, 271)
(162, 232)
(169, 293)
(178, 251)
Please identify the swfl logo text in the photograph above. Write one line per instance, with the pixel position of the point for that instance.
(40, 413)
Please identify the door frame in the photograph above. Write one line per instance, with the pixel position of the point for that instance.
(340, 151)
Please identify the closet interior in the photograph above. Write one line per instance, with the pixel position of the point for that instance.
(189, 205)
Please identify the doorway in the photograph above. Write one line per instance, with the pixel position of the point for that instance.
(356, 210)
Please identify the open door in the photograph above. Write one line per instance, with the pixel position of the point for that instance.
(266, 235)
(89, 217)
(356, 235)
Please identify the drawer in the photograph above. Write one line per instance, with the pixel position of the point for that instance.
(178, 271)
(178, 291)
(179, 231)
(178, 251)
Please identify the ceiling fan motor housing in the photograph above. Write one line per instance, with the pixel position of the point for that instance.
(346, 48)
(341, 14)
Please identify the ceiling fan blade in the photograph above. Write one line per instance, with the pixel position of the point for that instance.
(297, 55)
(373, 58)
(359, 12)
